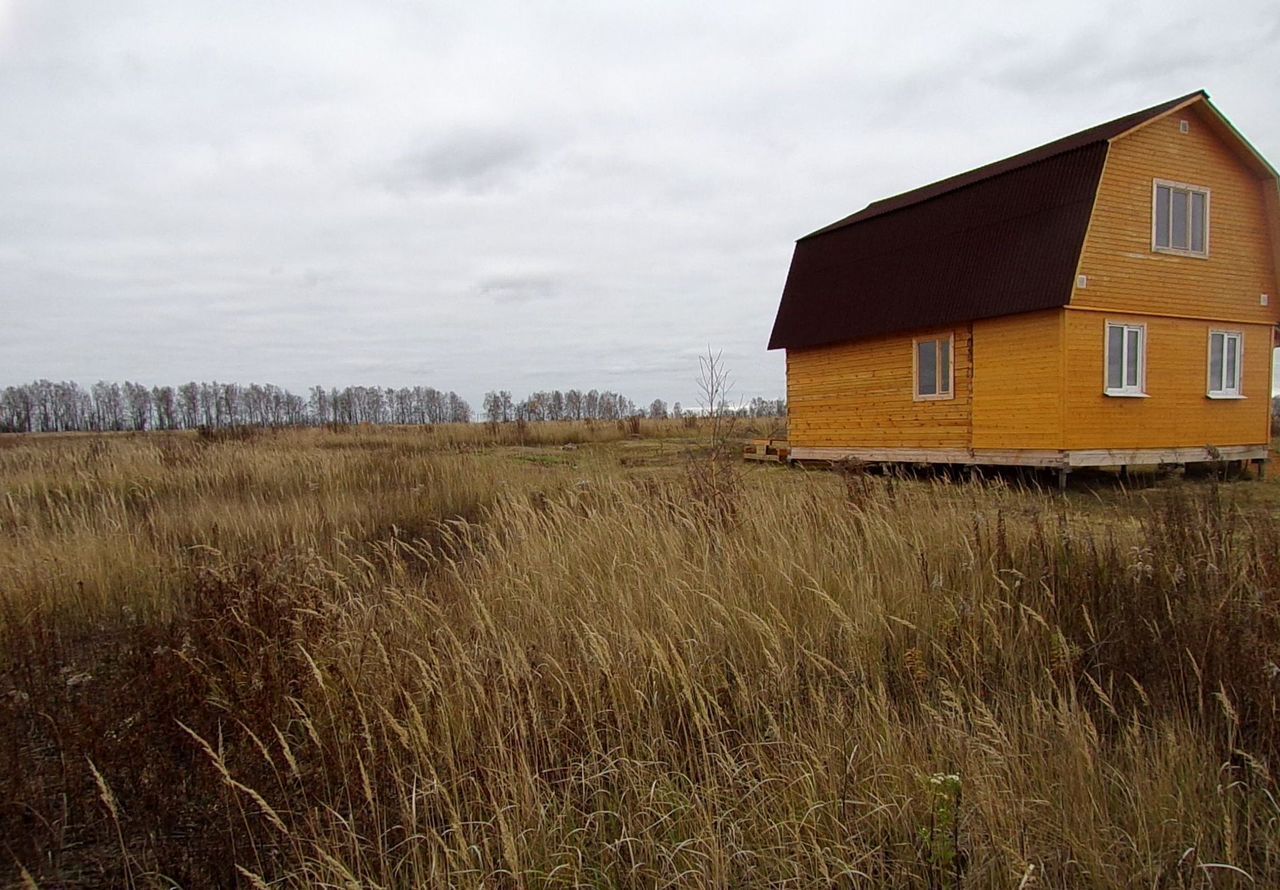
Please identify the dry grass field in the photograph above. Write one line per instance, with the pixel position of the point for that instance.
(474, 658)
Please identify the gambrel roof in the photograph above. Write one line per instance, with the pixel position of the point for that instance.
(998, 240)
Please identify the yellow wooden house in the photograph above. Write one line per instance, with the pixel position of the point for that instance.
(1107, 299)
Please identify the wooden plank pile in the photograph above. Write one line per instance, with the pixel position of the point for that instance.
(772, 450)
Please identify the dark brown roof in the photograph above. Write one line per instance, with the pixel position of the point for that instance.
(1001, 239)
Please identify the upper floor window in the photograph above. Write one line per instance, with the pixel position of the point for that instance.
(934, 372)
(1180, 219)
(1126, 359)
(1226, 350)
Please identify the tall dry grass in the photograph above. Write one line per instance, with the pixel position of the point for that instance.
(348, 659)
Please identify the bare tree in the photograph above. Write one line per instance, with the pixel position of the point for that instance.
(459, 410)
(715, 475)
(573, 405)
(108, 405)
(714, 385)
(138, 399)
(492, 407)
(16, 408)
(166, 407)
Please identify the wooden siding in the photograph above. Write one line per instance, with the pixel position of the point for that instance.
(1271, 201)
(1125, 274)
(1017, 381)
(1177, 412)
(861, 394)
(1179, 298)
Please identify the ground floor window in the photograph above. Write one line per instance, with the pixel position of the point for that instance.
(1226, 349)
(1126, 360)
(933, 368)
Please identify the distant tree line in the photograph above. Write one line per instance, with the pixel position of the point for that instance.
(499, 407)
(575, 404)
(46, 407)
(371, 404)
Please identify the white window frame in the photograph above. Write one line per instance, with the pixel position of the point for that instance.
(1139, 390)
(951, 369)
(1187, 187)
(1220, 389)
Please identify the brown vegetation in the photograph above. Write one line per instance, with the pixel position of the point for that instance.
(447, 657)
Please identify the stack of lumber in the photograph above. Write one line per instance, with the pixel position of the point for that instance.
(775, 450)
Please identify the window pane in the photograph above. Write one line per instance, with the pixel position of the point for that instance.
(1215, 362)
(1132, 355)
(1115, 357)
(1178, 220)
(944, 366)
(1233, 352)
(1198, 229)
(1162, 216)
(927, 367)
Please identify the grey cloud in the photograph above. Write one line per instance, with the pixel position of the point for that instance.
(517, 288)
(1096, 57)
(473, 161)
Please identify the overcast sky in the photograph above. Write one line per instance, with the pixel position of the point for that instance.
(525, 195)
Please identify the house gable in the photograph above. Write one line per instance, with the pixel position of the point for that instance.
(1123, 272)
